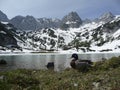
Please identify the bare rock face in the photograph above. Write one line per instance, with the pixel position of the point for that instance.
(72, 20)
(24, 23)
(16, 21)
(105, 17)
(31, 23)
(8, 40)
(48, 23)
(7, 36)
(3, 17)
(86, 21)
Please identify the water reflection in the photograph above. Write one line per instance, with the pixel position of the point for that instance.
(39, 61)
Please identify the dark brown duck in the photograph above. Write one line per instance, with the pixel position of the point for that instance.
(82, 65)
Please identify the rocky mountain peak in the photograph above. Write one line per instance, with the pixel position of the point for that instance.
(72, 17)
(86, 21)
(17, 18)
(16, 21)
(28, 17)
(71, 20)
(24, 23)
(3, 17)
(108, 16)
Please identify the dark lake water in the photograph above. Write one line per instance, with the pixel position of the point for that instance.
(39, 61)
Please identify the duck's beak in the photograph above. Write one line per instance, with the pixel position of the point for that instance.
(72, 58)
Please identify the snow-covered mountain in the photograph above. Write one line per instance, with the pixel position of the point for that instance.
(102, 34)
(99, 37)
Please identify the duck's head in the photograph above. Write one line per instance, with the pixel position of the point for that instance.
(74, 56)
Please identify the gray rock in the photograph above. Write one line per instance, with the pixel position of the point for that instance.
(3, 17)
(1, 77)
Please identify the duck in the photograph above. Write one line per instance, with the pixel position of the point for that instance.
(82, 65)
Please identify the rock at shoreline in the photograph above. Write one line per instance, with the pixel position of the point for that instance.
(3, 62)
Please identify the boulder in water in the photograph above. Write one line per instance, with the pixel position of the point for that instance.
(3, 62)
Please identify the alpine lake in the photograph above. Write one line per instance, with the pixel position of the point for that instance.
(40, 60)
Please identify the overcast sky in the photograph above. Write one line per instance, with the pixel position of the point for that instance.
(59, 8)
